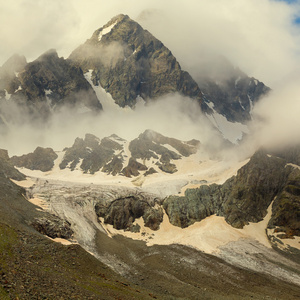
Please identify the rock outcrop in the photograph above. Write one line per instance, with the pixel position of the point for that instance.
(45, 85)
(94, 154)
(231, 92)
(7, 169)
(109, 155)
(41, 159)
(122, 212)
(152, 146)
(285, 219)
(9, 82)
(241, 199)
(53, 227)
(128, 61)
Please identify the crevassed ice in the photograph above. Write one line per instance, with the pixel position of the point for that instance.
(106, 30)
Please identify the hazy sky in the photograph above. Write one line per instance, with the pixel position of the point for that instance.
(259, 36)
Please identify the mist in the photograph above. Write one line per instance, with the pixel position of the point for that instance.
(173, 116)
(258, 36)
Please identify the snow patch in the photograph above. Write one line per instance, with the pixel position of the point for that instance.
(241, 105)
(7, 95)
(106, 30)
(237, 81)
(293, 165)
(104, 98)
(251, 105)
(210, 105)
(48, 92)
(230, 131)
(18, 89)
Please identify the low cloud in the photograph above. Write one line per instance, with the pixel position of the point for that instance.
(276, 117)
(173, 115)
(258, 36)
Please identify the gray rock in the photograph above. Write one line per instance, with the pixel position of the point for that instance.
(95, 154)
(45, 85)
(286, 208)
(122, 212)
(7, 169)
(241, 199)
(53, 227)
(129, 62)
(41, 159)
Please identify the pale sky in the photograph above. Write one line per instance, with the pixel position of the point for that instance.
(258, 36)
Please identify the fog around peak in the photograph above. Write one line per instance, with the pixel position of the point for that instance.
(259, 37)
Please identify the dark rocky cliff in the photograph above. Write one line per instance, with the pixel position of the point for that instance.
(128, 62)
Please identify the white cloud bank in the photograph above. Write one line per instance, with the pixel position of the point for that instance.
(259, 36)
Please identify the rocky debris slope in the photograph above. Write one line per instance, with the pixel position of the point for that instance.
(41, 159)
(193, 271)
(34, 267)
(45, 85)
(245, 197)
(128, 61)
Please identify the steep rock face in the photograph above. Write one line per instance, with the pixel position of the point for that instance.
(231, 91)
(41, 159)
(196, 205)
(289, 154)
(44, 85)
(127, 61)
(110, 156)
(151, 145)
(285, 217)
(9, 82)
(122, 212)
(248, 195)
(241, 199)
(56, 80)
(94, 154)
(7, 169)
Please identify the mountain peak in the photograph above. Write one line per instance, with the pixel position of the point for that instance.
(128, 62)
(51, 53)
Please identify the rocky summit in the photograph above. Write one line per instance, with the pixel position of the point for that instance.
(43, 86)
(128, 62)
